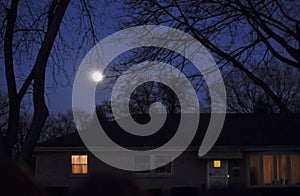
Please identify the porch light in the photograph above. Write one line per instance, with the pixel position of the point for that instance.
(217, 163)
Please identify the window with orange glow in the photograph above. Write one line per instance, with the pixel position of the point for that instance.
(295, 169)
(79, 164)
(282, 170)
(217, 163)
(275, 169)
(268, 170)
(254, 170)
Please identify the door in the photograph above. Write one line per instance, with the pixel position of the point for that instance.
(217, 174)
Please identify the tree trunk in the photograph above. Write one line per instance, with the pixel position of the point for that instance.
(9, 140)
(55, 16)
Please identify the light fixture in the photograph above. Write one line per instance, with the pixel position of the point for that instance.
(217, 163)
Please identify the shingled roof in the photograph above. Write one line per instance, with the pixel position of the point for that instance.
(238, 130)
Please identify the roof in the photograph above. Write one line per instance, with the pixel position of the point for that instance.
(238, 130)
(223, 152)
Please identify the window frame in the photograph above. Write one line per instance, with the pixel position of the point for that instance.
(71, 165)
(152, 162)
(274, 155)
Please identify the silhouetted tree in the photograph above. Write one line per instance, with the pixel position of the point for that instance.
(34, 38)
(243, 36)
(246, 97)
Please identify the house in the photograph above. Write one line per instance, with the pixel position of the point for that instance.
(254, 151)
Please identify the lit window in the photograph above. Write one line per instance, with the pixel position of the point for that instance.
(277, 170)
(281, 170)
(268, 169)
(79, 164)
(254, 170)
(217, 163)
(295, 169)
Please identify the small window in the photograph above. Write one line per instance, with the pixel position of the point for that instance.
(165, 169)
(142, 164)
(79, 164)
(217, 164)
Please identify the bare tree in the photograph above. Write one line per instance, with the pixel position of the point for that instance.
(246, 97)
(55, 15)
(3, 111)
(36, 39)
(243, 36)
(57, 126)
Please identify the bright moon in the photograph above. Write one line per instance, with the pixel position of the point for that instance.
(97, 76)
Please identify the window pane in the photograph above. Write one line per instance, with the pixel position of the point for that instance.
(79, 159)
(295, 169)
(254, 170)
(142, 162)
(145, 168)
(84, 169)
(166, 169)
(281, 170)
(268, 169)
(76, 169)
(162, 159)
(142, 166)
(142, 159)
(75, 159)
(79, 169)
(83, 159)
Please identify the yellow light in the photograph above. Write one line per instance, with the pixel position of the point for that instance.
(79, 164)
(97, 76)
(217, 163)
(79, 159)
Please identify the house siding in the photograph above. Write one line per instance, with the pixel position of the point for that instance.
(237, 173)
(53, 169)
(187, 171)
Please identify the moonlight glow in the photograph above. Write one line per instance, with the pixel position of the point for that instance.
(97, 76)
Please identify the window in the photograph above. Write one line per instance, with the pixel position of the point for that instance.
(275, 169)
(268, 169)
(165, 169)
(217, 163)
(79, 164)
(254, 170)
(281, 169)
(295, 169)
(143, 162)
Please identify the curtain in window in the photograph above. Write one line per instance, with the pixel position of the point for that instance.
(254, 170)
(79, 164)
(281, 170)
(295, 169)
(268, 169)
